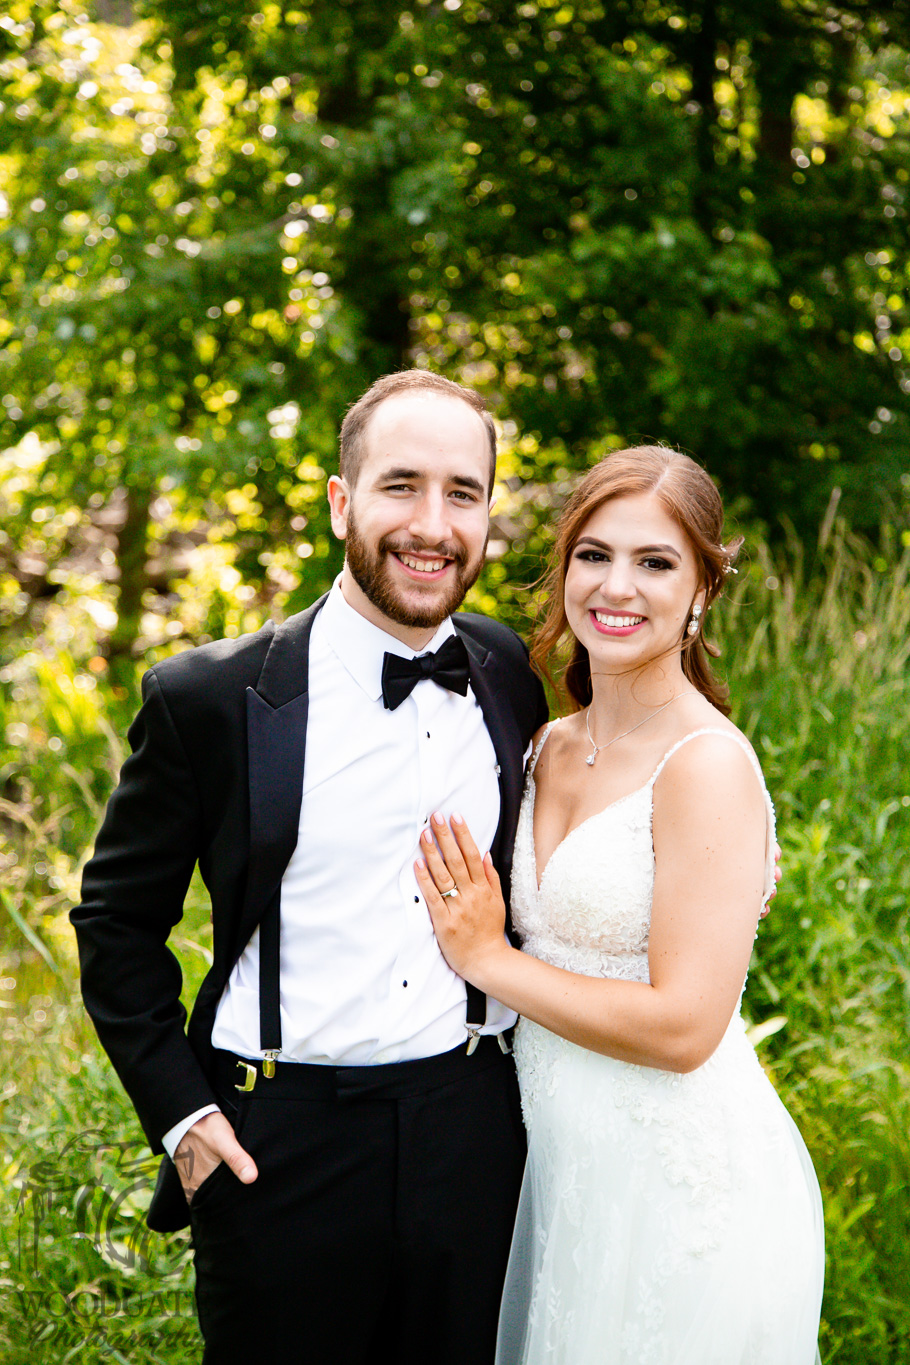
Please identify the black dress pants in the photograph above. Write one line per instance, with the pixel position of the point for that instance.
(380, 1224)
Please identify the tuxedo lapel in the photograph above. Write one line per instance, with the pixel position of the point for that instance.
(489, 689)
(276, 712)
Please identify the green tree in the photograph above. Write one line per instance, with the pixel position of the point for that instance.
(684, 221)
(687, 221)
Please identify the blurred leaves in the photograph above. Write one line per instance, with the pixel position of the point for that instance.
(683, 221)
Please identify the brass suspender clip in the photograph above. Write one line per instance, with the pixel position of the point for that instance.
(249, 1079)
(268, 1065)
(473, 1037)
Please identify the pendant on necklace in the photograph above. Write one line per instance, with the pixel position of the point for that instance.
(590, 759)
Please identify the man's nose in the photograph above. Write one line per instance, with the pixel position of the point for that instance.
(430, 520)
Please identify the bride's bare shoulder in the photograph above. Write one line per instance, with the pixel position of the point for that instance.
(561, 737)
(698, 714)
(701, 756)
(707, 778)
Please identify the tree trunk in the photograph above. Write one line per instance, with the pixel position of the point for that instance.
(779, 74)
(702, 65)
(132, 540)
(778, 79)
(370, 271)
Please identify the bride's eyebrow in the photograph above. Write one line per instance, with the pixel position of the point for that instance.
(641, 550)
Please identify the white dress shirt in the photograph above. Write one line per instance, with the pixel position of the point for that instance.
(362, 978)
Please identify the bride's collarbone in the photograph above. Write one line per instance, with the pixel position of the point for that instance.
(569, 791)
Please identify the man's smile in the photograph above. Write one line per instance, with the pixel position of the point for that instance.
(422, 566)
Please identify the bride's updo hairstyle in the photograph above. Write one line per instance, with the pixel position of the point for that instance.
(690, 498)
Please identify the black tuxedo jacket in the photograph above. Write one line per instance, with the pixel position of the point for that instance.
(215, 777)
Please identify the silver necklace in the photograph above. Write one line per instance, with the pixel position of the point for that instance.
(597, 747)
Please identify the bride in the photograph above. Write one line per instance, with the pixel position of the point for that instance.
(670, 1214)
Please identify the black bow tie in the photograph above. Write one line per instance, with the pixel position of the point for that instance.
(448, 667)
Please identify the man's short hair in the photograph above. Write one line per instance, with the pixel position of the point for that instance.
(351, 438)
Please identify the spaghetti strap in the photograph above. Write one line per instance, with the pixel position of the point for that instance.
(756, 767)
(540, 743)
(706, 730)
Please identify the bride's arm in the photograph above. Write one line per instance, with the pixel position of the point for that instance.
(709, 847)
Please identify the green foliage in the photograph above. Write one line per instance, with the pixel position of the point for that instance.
(819, 672)
(81, 1276)
(219, 223)
(818, 665)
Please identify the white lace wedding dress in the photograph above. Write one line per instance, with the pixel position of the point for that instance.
(664, 1219)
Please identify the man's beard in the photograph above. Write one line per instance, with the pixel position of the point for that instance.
(369, 570)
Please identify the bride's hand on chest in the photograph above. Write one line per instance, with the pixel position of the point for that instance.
(463, 895)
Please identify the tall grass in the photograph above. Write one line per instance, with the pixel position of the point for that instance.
(81, 1277)
(819, 675)
(819, 671)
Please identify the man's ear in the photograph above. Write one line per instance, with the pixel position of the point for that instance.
(339, 495)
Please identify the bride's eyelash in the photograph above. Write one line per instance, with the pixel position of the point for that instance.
(653, 562)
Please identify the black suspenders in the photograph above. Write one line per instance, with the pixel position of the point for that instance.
(270, 982)
(270, 990)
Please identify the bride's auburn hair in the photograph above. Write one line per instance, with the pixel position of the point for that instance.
(690, 498)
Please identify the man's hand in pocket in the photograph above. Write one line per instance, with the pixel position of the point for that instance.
(210, 1141)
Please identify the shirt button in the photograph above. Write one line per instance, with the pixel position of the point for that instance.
(416, 900)
(428, 734)
(404, 983)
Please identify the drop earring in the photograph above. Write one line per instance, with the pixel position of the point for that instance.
(692, 627)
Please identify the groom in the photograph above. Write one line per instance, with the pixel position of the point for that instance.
(341, 1116)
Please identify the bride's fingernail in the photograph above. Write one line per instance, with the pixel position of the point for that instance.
(421, 865)
(457, 819)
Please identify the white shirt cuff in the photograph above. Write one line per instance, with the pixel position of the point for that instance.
(171, 1139)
